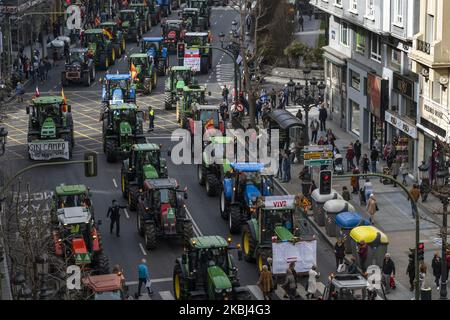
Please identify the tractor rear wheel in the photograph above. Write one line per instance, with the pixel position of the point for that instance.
(201, 174)
(101, 263)
(212, 185)
(147, 86)
(92, 74)
(188, 232)
(248, 244)
(123, 184)
(224, 212)
(140, 223)
(123, 44)
(133, 194)
(204, 65)
(110, 150)
(168, 100)
(150, 236)
(161, 67)
(87, 79)
(179, 289)
(234, 219)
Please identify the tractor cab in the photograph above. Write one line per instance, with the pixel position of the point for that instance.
(191, 19)
(112, 27)
(127, 17)
(197, 39)
(202, 5)
(153, 46)
(77, 56)
(207, 271)
(94, 40)
(48, 114)
(118, 88)
(181, 77)
(192, 95)
(105, 287)
(140, 9)
(67, 196)
(161, 196)
(172, 31)
(147, 161)
(123, 117)
(209, 117)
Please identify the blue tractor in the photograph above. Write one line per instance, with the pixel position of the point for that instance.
(242, 186)
(118, 88)
(166, 7)
(154, 47)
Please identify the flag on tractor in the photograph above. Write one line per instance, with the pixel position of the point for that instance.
(209, 124)
(107, 33)
(64, 101)
(36, 93)
(97, 21)
(133, 71)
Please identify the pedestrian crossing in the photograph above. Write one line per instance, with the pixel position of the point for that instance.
(225, 74)
(280, 294)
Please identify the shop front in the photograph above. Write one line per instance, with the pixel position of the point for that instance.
(378, 100)
(404, 140)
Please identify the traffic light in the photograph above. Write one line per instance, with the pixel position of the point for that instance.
(90, 168)
(325, 182)
(420, 251)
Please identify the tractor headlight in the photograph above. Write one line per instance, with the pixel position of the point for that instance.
(94, 237)
(229, 290)
(218, 290)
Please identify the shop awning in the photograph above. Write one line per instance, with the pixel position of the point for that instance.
(334, 56)
(285, 119)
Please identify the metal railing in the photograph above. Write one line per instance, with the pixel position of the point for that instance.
(423, 46)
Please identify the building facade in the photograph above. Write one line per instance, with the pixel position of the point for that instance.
(371, 90)
(431, 61)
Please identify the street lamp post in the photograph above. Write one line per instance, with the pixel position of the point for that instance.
(3, 137)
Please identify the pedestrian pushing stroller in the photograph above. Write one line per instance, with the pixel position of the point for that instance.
(338, 164)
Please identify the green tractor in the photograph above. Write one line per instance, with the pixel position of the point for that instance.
(145, 162)
(192, 20)
(277, 219)
(205, 10)
(69, 196)
(177, 79)
(193, 94)
(143, 13)
(122, 127)
(162, 212)
(50, 129)
(155, 12)
(146, 78)
(210, 173)
(199, 44)
(76, 238)
(132, 25)
(100, 48)
(118, 39)
(207, 271)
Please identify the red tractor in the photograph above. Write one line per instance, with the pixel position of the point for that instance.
(173, 31)
(208, 115)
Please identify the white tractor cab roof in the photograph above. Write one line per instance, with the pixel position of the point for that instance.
(206, 107)
(74, 215)
(196, 34)
(279, 202)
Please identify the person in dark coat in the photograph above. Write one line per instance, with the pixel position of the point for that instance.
(387, 270)
(357, 151)
(363, 250)
(323, 115)
(339, 252)
(411, 269)
(374, 155)
(114, 215)
(346, 194)
(349, 156)
(352, 268)
(437, 268)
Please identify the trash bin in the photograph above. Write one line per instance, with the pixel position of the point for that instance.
(318, 200)
(331, 209)
(425, 293)
(345, 222)
(377, 243)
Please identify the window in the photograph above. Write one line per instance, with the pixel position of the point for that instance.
(360, 41)
(436, 92)
(398, 12)
(355, 117)
(375, 47)
(396, 57)
(370, 9)
(344, 33)
(410, 109)
(354, 6)
(430, 29)
(355, 80)
(338, 3)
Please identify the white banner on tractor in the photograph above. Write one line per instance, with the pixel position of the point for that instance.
(279, 202)
(46, 150)
(192, 59)
(303, 253)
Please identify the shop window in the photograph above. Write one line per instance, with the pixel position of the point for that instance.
(410, 109)
(355, 116)
(355, 80)
(396, 59)
(375, 47)
(436, 92)
(344, 34)
(360, 41)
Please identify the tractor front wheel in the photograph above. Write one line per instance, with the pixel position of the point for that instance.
(168, 101)
(161, 68)
(204, 66)
(87, 79)
(147, 86)
(234, 219)
(248, 244)
(111, 151)
(223, 206)
(133, 194)
(201, 174)
(188, 232)
(102, 263)
(178, 283)
(212, 185)
(150, 236)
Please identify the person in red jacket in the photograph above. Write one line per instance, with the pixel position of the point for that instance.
(349, 156)
(362, 253)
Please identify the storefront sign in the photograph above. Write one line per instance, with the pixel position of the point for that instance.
(434, 114)
(403, 86)
(402, 125)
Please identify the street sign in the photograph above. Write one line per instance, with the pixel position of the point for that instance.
(317, 148)
(318, 155)
(318, 162)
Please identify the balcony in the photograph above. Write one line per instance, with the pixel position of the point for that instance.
(433, 55)
(423, 46)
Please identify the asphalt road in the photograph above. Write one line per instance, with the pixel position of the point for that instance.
(128, 250)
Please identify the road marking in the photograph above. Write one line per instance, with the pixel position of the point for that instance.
(126, 213)
(256, 291)
(115, 183)
(166, 295)
(133, 283)
(197, 230)
(215, 23)
(142, 249)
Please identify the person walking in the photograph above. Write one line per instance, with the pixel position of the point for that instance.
(388, 271)
(346, 194)
(437, 268)
(225, 93)
(404, 171)
(368, 189)
(151, 119)
(47, 67)
(265, 282)
(354, 181)
(286, 95)
(290, 285)
(19, 91)
(299, 115)
(339, 252)
(363, 250)
(314, 130)
(395, 169)
(223, 109)
(372, 208)
(323, 115)
(297, 91)
(365, 163)
(286, 167)
(41, 71)
(144, 277)
(415, 192)
(300, 23)
(280, 164)
(374, 155)
(273, 98)
(349, 156)
(114, 214)
(422, 275)
(357, 151)
(313, 275)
